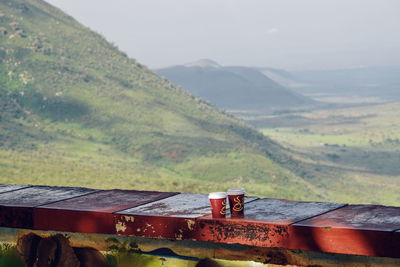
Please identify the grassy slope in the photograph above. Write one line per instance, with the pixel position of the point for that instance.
(76, 111)
(357, 149)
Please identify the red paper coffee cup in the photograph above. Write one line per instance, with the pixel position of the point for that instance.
(218, 204)
(236, 202)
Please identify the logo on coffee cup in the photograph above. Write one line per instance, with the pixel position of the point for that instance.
(238, 205)
(223, 209)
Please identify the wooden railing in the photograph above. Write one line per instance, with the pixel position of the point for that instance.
(368, 230)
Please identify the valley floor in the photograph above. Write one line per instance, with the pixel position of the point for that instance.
(357, 149)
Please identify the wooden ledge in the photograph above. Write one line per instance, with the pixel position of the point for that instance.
(367, 230)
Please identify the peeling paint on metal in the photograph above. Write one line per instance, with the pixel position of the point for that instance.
(129, 218)
(120, 227)
(178, 236)
(190, 224)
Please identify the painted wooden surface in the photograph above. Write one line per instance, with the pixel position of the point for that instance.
(356, 229)
(173, 218)
(277, 211)
(92, 213)
(366, 217)
(326, 227)
(11, 187)
(16, 207)
(266, 222)
(182, 205)
(109, 200)
(40, 195)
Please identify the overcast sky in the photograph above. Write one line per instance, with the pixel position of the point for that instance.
(290, 34)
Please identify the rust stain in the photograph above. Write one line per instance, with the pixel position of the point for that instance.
(249, 232)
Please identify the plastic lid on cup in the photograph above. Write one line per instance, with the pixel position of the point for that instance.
(217, 195)
(236, 191)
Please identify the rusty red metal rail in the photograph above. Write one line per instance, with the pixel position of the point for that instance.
(368, 230)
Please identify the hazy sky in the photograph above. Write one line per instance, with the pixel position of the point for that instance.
(291, 34)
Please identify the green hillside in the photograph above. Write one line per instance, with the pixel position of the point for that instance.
(77, 111)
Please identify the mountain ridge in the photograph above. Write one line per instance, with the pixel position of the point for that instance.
(204, 63)
(233, 87)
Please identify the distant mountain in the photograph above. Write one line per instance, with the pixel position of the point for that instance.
(74, 110)
(233, 88)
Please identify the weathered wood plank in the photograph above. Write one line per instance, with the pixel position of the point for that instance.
(16, 207)
(171, 218)
(11, 187)
(277, 211)
(363, 217)
(182, 205)
(354, 229)
(91, 213)
(40, 195)
(110, 200)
